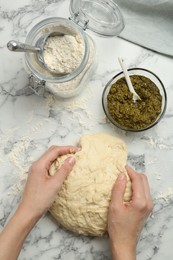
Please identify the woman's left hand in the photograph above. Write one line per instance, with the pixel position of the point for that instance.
(41, 188)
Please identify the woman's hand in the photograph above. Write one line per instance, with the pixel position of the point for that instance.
(126, 219)
(41, 189)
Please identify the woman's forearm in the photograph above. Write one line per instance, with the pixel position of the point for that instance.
(15, 232)
(123, 253)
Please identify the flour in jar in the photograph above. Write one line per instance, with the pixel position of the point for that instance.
(63, 54)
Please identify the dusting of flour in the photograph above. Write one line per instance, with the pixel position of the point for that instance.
(63, 54)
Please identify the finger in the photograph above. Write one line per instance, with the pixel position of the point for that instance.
(131, 172)
(119, 190)
(68, 150)
(64, 171)
(53, 147)
(54, 151)
(138, 192)
(64, 149)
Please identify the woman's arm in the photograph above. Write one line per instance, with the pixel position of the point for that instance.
(38, 195)
(15, 232)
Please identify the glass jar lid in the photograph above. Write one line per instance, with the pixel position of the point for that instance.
(100, 16)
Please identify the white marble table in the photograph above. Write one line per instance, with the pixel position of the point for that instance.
(30, 123)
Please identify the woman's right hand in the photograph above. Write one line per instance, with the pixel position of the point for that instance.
(126, 219)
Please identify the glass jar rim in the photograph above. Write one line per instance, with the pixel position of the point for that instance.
(42, 25)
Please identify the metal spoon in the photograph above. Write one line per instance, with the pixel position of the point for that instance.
(38, 49)
(128, 80)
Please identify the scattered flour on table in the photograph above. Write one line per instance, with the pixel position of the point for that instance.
(78, 106)
(16, 157)
(20, 149)
(165, 195)
(158, 143)
(19, 154)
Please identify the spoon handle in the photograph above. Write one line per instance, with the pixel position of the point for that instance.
(128, 80)
(21, 47)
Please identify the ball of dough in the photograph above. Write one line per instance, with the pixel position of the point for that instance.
(82, 203)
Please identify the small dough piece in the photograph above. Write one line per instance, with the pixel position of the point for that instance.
(83, 201)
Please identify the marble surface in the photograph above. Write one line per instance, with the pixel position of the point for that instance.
(29, 124)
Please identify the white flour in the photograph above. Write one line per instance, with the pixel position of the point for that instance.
(73, 87)
(63, 54)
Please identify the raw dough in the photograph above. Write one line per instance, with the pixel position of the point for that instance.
(82, 203)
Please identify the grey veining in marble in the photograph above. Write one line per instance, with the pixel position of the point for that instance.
(30, 123)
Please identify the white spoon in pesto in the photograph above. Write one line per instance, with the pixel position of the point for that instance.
(128, 80)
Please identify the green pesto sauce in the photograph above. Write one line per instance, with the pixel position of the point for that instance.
(130, 114)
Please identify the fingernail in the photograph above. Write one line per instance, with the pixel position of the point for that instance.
(79, 148)
(121, 176)
(71, 160)
(72, 150)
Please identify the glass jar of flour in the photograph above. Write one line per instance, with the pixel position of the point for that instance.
(74, 51)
